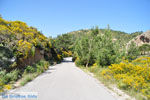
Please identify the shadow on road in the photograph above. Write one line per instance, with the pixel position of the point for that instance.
(47, 72)
(67, 61)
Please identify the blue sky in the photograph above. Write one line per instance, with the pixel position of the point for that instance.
(54, 17)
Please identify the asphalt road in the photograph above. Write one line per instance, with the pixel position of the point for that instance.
(65, 81)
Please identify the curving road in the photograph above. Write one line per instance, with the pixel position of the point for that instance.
(65, 81)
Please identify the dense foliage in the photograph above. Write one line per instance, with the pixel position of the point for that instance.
(63, 44)
(145, 49)
(132, 52)
(131, 75)
(23, 41)
(97, 47)
(23, 51)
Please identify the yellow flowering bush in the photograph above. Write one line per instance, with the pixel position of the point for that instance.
(3, 22)
(7, 87)
(41, 37)
(59, 56)
(4, 29)
(67, 53)
(16, 30)
(95, 64)
(34, 41)
(29, 35)
(49, 44)
(24, 48)
(133, 75)
(21, 46)
(21, 38)
(4, 87)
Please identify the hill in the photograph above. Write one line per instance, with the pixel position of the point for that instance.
(26, 45)
(67, 40)
(141, 39)
(117, 35)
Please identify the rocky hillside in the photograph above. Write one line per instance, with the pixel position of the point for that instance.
(141, 39)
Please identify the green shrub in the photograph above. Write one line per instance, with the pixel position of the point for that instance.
(15, 75)
(5, 55)
(33, 51)
(40, 69)
(94, 69)
(44, 64)
(9, 77)
(30, 69)
(26, 79)
(2, 74)
(133, 52)
(1, 86)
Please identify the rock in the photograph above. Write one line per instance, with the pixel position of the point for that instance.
(144, 38)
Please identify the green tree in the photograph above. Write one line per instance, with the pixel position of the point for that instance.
(97, 47)
(83, 51)
(106, 51)
(132, 52)
(144, 49)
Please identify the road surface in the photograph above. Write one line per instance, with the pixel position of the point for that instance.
(65, 81)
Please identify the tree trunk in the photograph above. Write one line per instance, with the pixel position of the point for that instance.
(87, 64)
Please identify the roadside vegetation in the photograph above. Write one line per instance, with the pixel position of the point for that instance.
(24, 53)
(33, 71)
(132, 76)
(104, 52)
